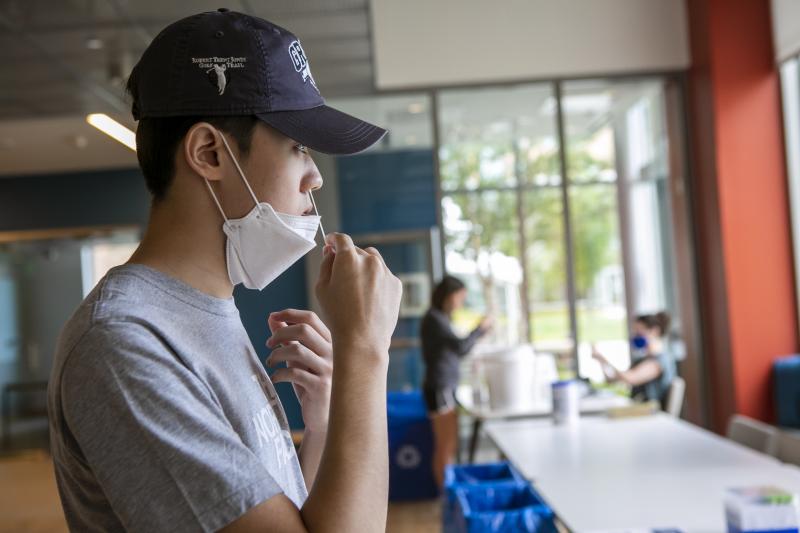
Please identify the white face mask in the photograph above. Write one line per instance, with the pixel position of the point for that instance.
(263, 244)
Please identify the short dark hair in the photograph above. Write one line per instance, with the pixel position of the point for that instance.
(445, 288)
(659, 320)
(157, 139)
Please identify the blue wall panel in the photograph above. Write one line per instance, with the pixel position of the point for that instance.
(387, 191)
(97, 198)
(288, 291)
(383, 192)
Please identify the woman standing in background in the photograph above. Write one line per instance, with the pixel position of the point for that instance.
(442, 349)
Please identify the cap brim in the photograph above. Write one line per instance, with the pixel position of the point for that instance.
(325, 129)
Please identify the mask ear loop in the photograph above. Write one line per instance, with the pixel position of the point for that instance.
(239, 169)
(214, 196)
(316, 212)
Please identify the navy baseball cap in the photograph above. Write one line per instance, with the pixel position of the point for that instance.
(223, 63)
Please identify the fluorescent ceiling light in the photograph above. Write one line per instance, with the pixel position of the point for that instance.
(113, 129)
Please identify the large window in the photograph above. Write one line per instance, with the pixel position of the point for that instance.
(100, 255)
(501, 208)
(555, 204)
(407, 116)
(563, 244)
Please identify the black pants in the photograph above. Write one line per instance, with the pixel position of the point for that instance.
(439, 399)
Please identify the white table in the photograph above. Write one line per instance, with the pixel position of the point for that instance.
(593, 404)
(650, 472)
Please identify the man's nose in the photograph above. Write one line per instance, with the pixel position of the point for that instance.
(312, 180)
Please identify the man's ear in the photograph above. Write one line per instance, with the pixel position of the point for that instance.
(203, 151)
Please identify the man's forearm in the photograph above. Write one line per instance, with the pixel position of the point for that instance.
(310, 454)
(353, 475)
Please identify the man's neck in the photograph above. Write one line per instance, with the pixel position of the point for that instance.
(187, 245)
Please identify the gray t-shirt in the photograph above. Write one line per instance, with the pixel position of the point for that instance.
(162, 418)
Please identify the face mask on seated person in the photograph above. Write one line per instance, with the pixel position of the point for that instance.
(264, 243)
(638, 346)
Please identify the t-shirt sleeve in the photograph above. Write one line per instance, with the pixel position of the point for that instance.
(154, 435)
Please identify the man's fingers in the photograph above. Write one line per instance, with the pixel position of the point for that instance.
(372, 251)
(301, 316)
(275, 323)
(298, 356)
(326, 268)
(305, 335)
(340, 242)
(296, 376)
(344, 248)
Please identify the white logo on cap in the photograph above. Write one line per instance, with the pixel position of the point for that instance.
(300, 62)
(216, 68)
(222, 81)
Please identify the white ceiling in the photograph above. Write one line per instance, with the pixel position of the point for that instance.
(48, 69)
(51, 78)
(58, 144)
(424, 43)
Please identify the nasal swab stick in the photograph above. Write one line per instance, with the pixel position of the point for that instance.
(316, 212)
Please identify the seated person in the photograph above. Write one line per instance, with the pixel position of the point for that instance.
(653, 365)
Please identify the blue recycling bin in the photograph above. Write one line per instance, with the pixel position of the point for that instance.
(501, 509)
(410, 448)
(482, 474)
(786, 383)
(475, 476)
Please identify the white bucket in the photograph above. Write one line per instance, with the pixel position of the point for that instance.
(509, 376)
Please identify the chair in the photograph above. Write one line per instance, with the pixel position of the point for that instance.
(677, 391)
(753, 434)
(787, 448)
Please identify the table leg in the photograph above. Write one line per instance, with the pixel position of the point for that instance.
(6, 418)
(459, 444)
(473, 441)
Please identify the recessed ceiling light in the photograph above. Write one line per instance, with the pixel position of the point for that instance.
(113, 129)
(94, 43)
(80, 142)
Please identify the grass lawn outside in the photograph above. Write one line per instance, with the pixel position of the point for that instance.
(552, 323)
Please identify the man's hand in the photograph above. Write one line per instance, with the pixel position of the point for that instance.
(486, 324)
(303, 342)
(359, 295)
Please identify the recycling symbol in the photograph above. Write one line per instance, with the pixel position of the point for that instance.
(408, 457)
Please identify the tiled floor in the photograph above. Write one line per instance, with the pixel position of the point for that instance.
(417, 517)
(29, 499)
(28, 496)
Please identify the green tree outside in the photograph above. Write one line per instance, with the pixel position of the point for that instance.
(488, 223)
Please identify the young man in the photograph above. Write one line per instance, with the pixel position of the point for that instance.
(162, 417)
